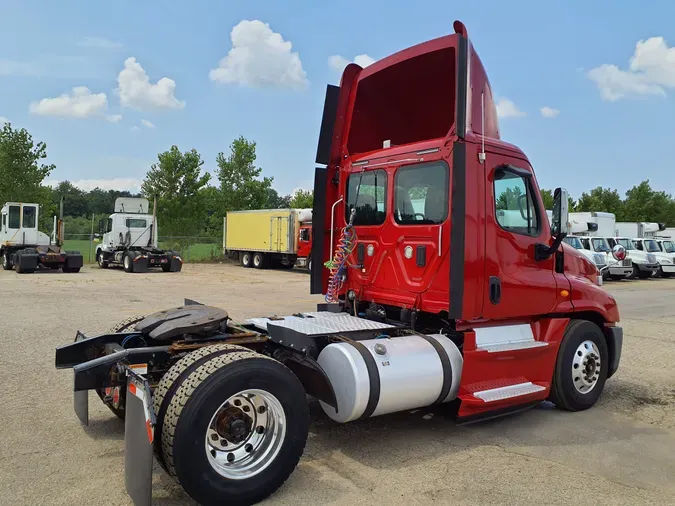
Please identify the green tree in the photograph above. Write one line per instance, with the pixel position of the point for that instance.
(603, 200)
(276, 201)
(22, 171)
(642, 203)
(547, 198)
(75, 202)
(240, 185)
(302, 199)
(176, 181)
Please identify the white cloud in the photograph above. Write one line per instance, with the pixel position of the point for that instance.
(651, 71)
(98, 43)
(549, 112)
(147, 123)
(135, 128)
(114, 118)
(338, 63)
(260, 58)
(80, 104)
(507, 109)
(3, 120)
(130, 184)
(136, 91)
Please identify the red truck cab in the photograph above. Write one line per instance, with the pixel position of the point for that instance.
(428, 218)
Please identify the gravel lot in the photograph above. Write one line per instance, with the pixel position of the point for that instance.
(620, 452)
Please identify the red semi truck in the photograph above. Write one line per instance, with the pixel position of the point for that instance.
(445, 284)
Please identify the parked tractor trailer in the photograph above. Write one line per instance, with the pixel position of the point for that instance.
(129, 239)
(431, 296)
(269, 238)
(25, 249)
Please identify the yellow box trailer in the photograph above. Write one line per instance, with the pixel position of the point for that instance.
(258, 238)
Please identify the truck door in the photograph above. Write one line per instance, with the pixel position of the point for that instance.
(13, 224)
(517, 285)
(29, 231)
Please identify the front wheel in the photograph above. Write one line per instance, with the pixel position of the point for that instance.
(100, 260)
(6, 261)
(235, 429)
(581, 367)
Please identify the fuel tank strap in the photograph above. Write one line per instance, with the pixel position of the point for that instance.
(445, 363)
(373, 377)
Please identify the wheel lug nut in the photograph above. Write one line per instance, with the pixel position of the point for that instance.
(230, 457)
(223, 442)
(237, 402)
(214, 437)
(261, 409)
(246, 409)
(260, 429)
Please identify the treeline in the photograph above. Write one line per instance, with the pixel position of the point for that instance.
(641, 203)
(192, 203)
(189, 202)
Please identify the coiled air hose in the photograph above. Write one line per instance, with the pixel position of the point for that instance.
(338, 265)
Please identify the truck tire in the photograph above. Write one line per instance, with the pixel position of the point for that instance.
(128, 262)
(581, 367)
(246, 259)
(309, 265)
(248, 403)
(119, 327)
(259, 260)
(635, 273)
(100, 261)
(7, 261)
(174, 377)
(645, 275)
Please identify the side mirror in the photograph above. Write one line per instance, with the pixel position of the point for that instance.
(561, 216)
(101, 226)
(619, 252)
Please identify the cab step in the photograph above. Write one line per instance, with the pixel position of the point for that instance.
(508, 392)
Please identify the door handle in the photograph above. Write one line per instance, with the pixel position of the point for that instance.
(495, 289)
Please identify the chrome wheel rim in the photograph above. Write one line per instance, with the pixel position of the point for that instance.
(245, 434)
(256, 260)
(127, 261)
(246, 259)
(586, 367)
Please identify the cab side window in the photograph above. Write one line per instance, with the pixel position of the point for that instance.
(110, 225)
(304, 234)
(638, 245)
(516, 209)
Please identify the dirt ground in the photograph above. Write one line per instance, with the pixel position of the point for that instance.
(620, 452)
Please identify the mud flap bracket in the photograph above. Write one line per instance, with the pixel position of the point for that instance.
(138, 440)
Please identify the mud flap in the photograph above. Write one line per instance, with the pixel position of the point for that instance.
(81, 405)
(140, 264)
(138, 441)
(176, 263)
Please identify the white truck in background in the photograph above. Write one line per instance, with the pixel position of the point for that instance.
(638, 229)
(585, 235)
(666, 261)
(129, 239)
(643, 264)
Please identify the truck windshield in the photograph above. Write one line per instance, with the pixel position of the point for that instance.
(626, 243)
(574, 242)
(668, 247)
(367, 193)
(651, 246)
(600, 245)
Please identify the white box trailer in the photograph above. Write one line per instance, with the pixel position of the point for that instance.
(606, 222)
(639, 230)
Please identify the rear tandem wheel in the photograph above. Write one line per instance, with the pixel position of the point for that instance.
(235, 428)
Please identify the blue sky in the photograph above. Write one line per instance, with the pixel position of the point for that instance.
(613, 126)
